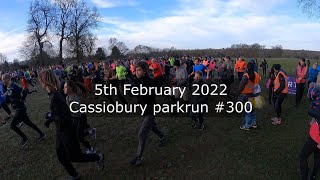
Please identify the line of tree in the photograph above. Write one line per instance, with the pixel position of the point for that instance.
(120, 50)
(70, 22)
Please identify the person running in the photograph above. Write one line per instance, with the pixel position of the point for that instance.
(212, 68)
(148, 123)
(225, 77)
(74, 91)
(111, 78)
(27, 75)
(280, 91)
(157, 72)
(121, 73)
(67, 145)
(312, 145)
(16, 96)
(249, 81)
(181, 81)
(25, 85)
(132, 69)
(199, 67)
(87, 79)
(301, 78)
(4, 105)
(197, 118)
(240, 67)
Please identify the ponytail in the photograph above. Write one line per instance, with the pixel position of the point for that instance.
(250, 72)
(78, 88)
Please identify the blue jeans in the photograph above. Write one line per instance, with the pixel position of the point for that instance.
(250, 119)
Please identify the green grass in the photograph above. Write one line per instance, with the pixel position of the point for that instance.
(221, 151)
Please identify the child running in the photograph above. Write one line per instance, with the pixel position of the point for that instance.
(74, 91)
(67, 145)
(16, 96)
(25, 85)
(3, 103)
(197, 100)
(148, 123)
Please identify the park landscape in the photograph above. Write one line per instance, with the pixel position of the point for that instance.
(222, 150)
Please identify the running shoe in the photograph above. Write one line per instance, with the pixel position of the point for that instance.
(136, 161)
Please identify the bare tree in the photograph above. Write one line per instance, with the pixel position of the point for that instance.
(3, 58)
(41, 17)
(63, 9)
(277, 50)
(100, 54)
(141, 49)
(122, 47)
(84, 20)
(29, 49)
(89, 43)
(310, 7)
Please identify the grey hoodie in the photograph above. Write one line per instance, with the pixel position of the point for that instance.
(182, 77)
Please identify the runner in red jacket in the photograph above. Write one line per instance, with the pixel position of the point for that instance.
(25, 85)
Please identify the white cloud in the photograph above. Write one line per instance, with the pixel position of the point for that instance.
(199, 24)
(217, 24)
(10, 43)
(113, 3)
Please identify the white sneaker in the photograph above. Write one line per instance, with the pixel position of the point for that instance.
(74, 177)
(20, 124)
(94, 133)
(91, 151)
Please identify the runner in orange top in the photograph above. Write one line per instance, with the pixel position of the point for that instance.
(280, 92)
(157, 72)
(240, 67)
(301, 78)
(25, 85)
(247, 88)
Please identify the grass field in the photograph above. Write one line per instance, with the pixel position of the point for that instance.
(221, 151)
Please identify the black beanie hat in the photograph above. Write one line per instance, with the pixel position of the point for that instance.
(176, 63)
(277, 67)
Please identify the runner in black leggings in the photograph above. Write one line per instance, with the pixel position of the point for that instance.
(15, 97)
(73, 92)
(67, 144)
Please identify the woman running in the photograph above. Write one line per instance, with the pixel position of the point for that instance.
(73, 92)
(67, 144)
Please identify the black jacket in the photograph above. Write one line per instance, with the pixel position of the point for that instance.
(148, 100)
(16, 97)
(225, 74)
(201, 99)
(60, 113)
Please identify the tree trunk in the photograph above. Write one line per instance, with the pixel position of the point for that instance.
(41, 60)
(60, 51)
(77, 51)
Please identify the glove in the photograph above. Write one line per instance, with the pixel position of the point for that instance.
(47, 123)
(48, 115)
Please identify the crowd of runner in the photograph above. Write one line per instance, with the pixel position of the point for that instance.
(69, 83)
